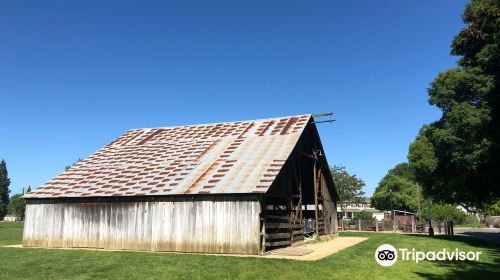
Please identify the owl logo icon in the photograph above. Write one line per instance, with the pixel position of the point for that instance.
(386, 255)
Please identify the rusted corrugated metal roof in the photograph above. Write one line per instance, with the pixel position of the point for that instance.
(232, 157)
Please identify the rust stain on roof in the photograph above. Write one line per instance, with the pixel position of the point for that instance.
(290, 123)
(150, 136)
(202, 177)
(231, 157)
(206, 151)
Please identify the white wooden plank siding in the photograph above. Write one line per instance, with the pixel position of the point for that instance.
(214, 225)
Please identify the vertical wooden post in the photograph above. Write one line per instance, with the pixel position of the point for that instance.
(263, 226)
(393, 221)
(291, 216)
(263, 233)
(300, 203)
(359, 223)
(316, 199)
(376, 225)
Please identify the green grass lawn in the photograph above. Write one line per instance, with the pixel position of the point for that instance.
(356, 262)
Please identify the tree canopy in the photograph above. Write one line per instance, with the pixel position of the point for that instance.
(350, 187)
(493, 209)
(457, 158)
(397, 190)
(17, 206)
(4, 189)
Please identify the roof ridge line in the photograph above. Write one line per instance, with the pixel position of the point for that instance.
(214, 123)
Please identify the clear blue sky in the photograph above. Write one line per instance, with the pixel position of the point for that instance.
(74, 75)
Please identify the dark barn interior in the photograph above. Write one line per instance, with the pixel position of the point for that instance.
(302, 200)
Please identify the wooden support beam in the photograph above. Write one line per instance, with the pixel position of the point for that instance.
(276, 217)
(277, 225)
(327, 121)
(322, 114)
(296, 199)
(277, 235)
(308, 155)
(297, 237)
(316, 199)
(276, 196)
(263, 227)
(278, 243)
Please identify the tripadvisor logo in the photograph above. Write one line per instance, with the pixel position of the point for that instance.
(387, 255)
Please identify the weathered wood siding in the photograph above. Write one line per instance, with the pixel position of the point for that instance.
(212, 225)
(330, 210)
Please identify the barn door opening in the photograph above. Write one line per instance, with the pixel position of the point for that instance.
(276, 222)
(298, 204)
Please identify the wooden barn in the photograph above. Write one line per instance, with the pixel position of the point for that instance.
(238, 187)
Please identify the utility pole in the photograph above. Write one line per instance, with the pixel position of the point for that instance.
(392, 210)
(431, 230)
(419, 197)
(316, 200)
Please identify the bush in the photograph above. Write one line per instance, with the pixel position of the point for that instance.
(470, 221)
(493, 209)
(363, 215)
(447, 212)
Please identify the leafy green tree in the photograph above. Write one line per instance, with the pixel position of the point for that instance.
(363, 215)
(403, 170)
(4, 189)
(28, 189)
(493, 209)
(397, 190)
(457, 157)
(17, 206)
(446, 212)
(350, 187)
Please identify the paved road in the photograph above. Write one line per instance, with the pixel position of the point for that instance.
(492, 234)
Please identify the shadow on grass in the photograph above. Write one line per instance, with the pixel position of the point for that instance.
(468, 269)
(491, 236)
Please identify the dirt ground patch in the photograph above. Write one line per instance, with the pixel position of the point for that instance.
(312, 251)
